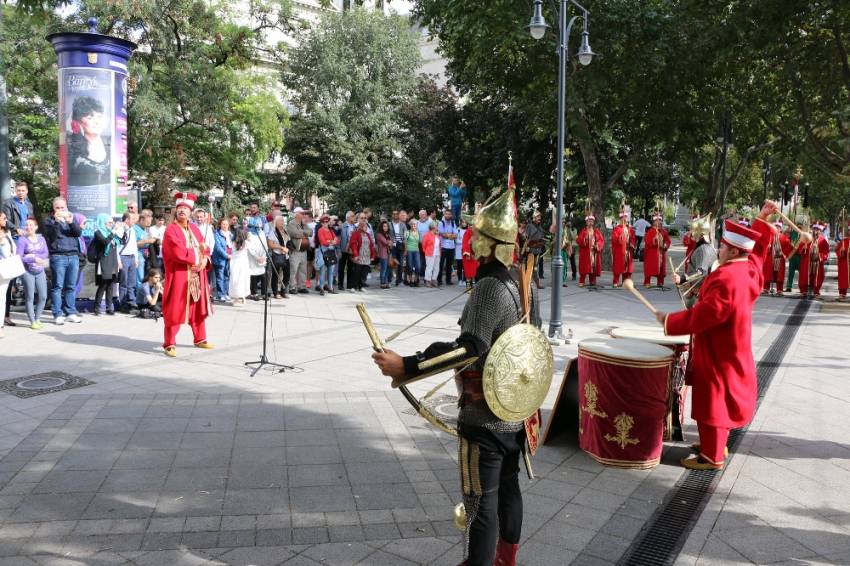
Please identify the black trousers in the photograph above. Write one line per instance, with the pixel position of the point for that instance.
(258, 284)
(346, 267)
(447, 259)
(399, 255)
(279, 278)
(357, 275)
(490, 464)
(9, 299)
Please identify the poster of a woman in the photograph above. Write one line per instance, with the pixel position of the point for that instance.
(88, 150)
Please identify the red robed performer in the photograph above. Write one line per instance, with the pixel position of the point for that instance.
(813, 255)
(470, 264)
(656, 244)
(590, 244)
(774, 265)
(186, 291)
(690, 244)
(722, 371)
(842, 249)
(622, 249)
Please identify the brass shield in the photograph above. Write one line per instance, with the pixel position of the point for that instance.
(518, 372)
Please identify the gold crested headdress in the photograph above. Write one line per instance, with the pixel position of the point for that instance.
(701, 227)
(497, 223)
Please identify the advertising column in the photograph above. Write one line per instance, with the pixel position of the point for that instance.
(93, 120)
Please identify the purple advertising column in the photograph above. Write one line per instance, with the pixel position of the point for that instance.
(93, 120)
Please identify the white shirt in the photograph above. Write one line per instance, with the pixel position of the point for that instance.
(157, 232)
(208, 232)
(131, 246)
(640, 227)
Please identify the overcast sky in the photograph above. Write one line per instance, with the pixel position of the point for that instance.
(401, 6)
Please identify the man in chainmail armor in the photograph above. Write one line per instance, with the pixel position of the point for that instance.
(489, 448)
(700, 261)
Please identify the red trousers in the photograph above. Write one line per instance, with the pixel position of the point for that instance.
(625, 276)
(199, 331)
(589, 275)
(660, 278)
(769, 279)
(712, 441)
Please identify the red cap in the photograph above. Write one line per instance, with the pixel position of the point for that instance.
(185, 199)
(739, 236)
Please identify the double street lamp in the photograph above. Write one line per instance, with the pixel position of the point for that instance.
(537, 28)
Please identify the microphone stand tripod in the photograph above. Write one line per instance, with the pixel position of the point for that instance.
(264, 360)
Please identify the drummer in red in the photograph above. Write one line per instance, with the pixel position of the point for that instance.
(622, 249)
(774, 265)
(656, 242)
(813, 256)
(590, 244)
(722, 371)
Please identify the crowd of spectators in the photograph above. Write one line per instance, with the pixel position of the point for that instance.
(255, 255)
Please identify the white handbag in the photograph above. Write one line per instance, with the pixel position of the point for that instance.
(11, 267)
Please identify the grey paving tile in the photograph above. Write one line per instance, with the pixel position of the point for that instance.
(87, 460)
(420, 550)
(111, 426)
(388, 496)
(259, 556)
(144, 459)
(310, 535)
(339, 553)
(215, 458)
(381, 531)
(163, 424)
(206, 440)
(189, 504)
(255, 501)
(764, 544)
(311, 437)
(606, 546)
(200, 539)
(196, 479)
(564, 535)
(235, 539)
(71, 481)
(274, 537)
(110, 441)
(375, 473)
(154, 441)
(197, 524)
(326, 498)
(317, 475)
(120, 506)
(261, 439)
(51, 507)
(253, 475)
(120, 481)
(257, 456)
(296, 455)
(211, 424)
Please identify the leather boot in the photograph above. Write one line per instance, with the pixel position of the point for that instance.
(505, 554)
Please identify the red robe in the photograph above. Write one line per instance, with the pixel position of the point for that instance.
(179, 256)
(655, 256)
(470, 264)
(586, 241)
(841, 250)
(622, 250)
(774, 264)
(690, 245)
(805, 251)
(721, 370)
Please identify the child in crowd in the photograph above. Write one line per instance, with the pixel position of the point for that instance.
(149, 294)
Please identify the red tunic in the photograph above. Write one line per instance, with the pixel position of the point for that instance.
(586, 241)
(774, 265)
(804, 250)
(622, 249)
(470, 264)
(657, 241)
(179, 256)
(690, 245)
(722, 371)
(841, 250)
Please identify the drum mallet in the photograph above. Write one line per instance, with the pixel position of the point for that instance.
(629, 285)
(805, 236)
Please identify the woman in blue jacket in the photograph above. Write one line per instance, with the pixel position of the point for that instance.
(221, 259)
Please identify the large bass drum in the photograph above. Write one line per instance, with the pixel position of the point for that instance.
(623, 400)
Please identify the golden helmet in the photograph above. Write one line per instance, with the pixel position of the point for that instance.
(701, 227)
(497, 220)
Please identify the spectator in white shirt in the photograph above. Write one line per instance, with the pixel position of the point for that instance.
(640, 227)
(129, 262)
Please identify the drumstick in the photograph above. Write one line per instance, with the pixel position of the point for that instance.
(629, 285)
(805, 236)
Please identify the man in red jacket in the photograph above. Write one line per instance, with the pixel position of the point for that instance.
(813, 256)
(622, 249)
(722, 371)
(656, 242)
(186, 291)
(590, 243)
(774, 265)
(841, 250)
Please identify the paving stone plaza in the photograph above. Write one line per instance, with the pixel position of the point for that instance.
(191, 461)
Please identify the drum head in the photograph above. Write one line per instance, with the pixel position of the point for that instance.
(625, 349)
(653, 334)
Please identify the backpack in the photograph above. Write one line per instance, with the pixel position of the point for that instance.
(91, 251)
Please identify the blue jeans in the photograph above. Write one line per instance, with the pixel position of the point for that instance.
(222, 279)
(456, 211)
(63, 296)
(413, 262)
(127, 281)
(140, 271)
(327, 275)
(385, 270)
(32, 284)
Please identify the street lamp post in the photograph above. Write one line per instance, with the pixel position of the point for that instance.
(537, 28)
